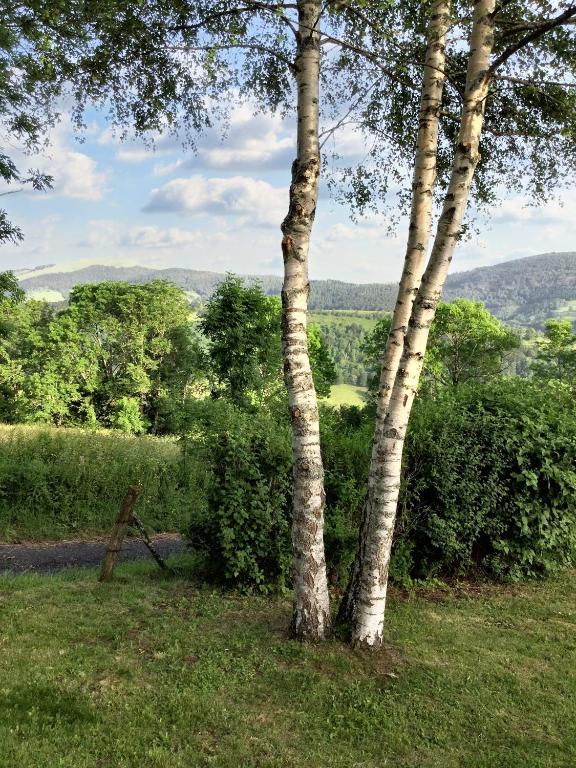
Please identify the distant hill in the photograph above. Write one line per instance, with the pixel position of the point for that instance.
(523, 292)
(325, 294)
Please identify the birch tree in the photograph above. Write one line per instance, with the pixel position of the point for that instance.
(368, 597)
(417, 247)
(311, 618)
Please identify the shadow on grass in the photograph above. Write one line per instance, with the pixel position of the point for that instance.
(44, 706)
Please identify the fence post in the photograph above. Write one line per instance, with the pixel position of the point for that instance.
(119, 532)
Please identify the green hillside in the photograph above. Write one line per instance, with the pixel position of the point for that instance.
(523, 292)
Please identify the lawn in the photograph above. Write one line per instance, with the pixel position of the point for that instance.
(152, 672)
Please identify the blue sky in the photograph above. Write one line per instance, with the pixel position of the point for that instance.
(123, 203)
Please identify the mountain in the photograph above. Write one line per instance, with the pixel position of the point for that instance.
(522, 292)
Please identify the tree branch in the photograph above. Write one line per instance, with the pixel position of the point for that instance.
(566, 17)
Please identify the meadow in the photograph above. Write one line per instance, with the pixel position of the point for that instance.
(347, 394)
(66, 482)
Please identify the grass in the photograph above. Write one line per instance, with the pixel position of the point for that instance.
(346, 394)
(364, 318)
(153, 672)
(61, 482)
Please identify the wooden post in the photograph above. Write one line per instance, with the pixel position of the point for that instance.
(149, 543)
(122, 522)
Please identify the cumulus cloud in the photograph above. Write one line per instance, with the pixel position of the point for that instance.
(363, 230)
(516, 209)
(251, 201)
(156, 237)
(75, 174)
(249, 140)
(107, 233)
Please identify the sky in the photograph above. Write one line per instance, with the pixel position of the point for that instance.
(123, 203)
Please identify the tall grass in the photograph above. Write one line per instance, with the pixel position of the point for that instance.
(57, 482)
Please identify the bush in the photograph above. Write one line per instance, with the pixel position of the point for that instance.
(489, 483)
(243, 528)
(490, 476)
(57, 482)
(346, 434)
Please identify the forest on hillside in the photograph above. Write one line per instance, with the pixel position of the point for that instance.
(524, 293)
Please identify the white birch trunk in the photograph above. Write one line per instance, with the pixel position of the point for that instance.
(384, 481)
(311, 617)
(416, 249)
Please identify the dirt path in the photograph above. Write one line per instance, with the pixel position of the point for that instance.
(50, 557)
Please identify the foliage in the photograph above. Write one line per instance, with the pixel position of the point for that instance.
(489, 484)
(346, 434)
(11, 295)
(321, 360)
(242, 328)
(467, 343)
(372, 348)
(492, 481)
(243, 531)
(119, 355)
(556, 355)
(57, 483)
(343, 332)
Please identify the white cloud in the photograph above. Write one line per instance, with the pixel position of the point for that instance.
(155, 237)
(365, 229)
(250, 141)
(558, 211)
(107, 233)
(76, 175)
(253, 201)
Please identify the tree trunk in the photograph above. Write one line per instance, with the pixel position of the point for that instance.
(311, 617)
(416, 251)
(384, 480)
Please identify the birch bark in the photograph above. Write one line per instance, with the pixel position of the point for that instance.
(384, 480)
(311, 614)
(416, 250)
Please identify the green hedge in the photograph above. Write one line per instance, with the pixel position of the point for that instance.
(491, 481)
(243, 528)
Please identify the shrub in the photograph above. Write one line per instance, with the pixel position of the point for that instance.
(489, 483)
(490, 476)
(346, 439)
(243, 528)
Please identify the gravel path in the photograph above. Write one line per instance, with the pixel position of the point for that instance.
(50, 557)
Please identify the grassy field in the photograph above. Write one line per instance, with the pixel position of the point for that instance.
(346, 394)
(158, 673)
(57, 482)
(366, 319)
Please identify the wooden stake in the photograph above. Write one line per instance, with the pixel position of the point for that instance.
(149, 543)
(119, 532)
